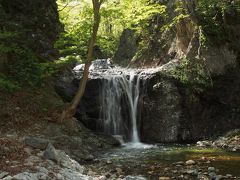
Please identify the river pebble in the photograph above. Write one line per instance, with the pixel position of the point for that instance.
(211, 169)
(190, 162)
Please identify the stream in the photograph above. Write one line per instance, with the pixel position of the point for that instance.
(140, 161)
(121, 90)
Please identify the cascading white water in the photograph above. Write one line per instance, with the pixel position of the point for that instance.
(119, 90)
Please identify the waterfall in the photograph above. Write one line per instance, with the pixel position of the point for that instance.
(120, 94)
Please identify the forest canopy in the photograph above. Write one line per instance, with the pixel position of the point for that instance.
(28, 33)
(116, 15)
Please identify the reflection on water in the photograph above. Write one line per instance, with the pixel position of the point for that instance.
(139, 158)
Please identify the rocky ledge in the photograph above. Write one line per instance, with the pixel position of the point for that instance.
(231, 141)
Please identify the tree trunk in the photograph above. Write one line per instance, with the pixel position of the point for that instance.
(70, 110)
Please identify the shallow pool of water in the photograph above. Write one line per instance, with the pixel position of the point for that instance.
(153, 161)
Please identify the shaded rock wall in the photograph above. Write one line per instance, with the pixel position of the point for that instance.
(88, 111)
(161, 110)
(127, 47)
(173, 113)
(37, 23)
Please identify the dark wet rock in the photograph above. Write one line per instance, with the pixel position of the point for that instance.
(161, 113)
(37, 143)
(172, 113)
(65, 86)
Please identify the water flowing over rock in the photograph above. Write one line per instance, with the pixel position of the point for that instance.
(116, 90)
(162, 108)
(110, 103)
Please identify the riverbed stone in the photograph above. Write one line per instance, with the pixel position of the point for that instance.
(212, 175)
(211, 169)
(204, 143)
(180, 163)
(26, 176)
(190, 162)
(135, 178)
(3, 174)
(192, 172)
(102, 178)
(8, 178)
(51, 153)
(164, 178)
(119, 170)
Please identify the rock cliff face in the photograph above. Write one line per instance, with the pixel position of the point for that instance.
(36, 22)
(161, 110)
(173, 112)
(127, 47)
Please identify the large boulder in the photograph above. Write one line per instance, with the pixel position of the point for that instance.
(172, 112)
(161, 111)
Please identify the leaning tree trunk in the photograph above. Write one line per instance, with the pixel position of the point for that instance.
(70, 109)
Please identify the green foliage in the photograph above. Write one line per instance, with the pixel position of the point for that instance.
(53, 68)
(7, 43)
(174, 22)
(77, 16)
(8, 85)
(192, 74)
(77, 19)
(26, 68)
(180, 14)
(211, 17)
(23, 64)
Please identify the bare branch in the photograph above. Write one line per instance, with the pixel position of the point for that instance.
(63, 7)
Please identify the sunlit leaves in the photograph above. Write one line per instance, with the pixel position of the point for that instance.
(116, 15)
